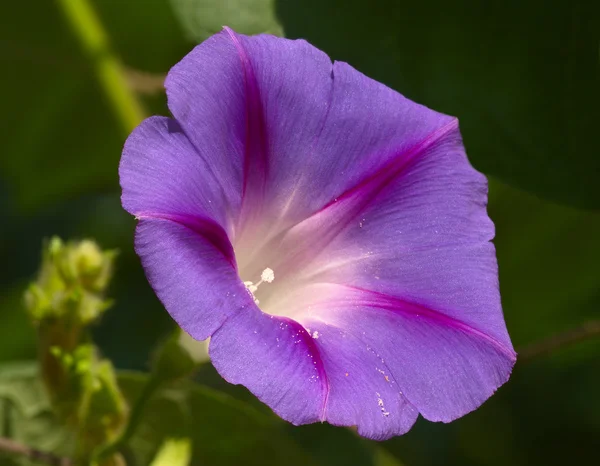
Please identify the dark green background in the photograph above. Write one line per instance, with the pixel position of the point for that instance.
(523, 78)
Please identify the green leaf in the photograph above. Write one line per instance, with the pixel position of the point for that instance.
(172, 360)
(63, 138)
(17, 336)
(203, 18)
(522, 76)
(383, 458)
(222, 430)
(25, 413)
(145, 34)
(334, 446)
(548, 258)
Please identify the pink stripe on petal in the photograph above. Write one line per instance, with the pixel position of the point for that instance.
(373, 299)
(308, 238)
(256, 156)
(208, 229)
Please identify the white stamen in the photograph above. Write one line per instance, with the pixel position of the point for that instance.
(267, 275)
(251, 287)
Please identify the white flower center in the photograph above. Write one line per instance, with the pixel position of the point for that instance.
(306, 273)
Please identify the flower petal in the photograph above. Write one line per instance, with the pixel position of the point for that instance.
(362, 390)
(367, 127)
(161, 174)
(340, 185)
(300, 130)
(250, 105)
(190, 265)
(369, 134)
(443, 367)
(422, 237)
(406, 265)
(275, 359)
(206, 95)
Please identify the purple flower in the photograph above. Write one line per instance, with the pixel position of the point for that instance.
(326, 232)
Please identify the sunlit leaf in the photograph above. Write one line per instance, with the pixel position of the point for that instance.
(203, 18)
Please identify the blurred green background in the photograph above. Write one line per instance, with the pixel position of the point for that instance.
(523, 78)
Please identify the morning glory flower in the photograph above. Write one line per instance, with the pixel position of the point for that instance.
(328, 234)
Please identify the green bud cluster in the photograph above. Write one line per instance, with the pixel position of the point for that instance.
(92, 400)
(71, 283)
(103, 410)
(65, 300)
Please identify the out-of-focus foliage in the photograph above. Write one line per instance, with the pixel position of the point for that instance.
(25, 412)
(522, 76)
(173, 360)
(223, 430)
(54, 104)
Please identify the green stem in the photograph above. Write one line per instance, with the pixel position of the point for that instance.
(18, 449)
(545, 347)
(135, 418)
(89, 30)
